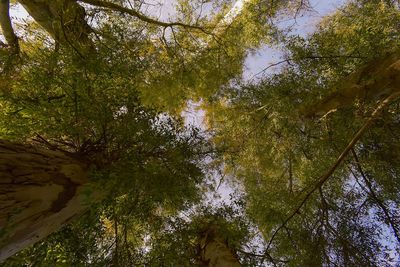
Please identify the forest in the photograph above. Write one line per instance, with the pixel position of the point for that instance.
(134, 138)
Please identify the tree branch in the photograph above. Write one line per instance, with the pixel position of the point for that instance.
(288, 60)
(137, 14)
(379, 78)
(372, 193)
(321, 181)
(6, 26)
(64, 20)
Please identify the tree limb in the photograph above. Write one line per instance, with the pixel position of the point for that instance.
(321, 181)
(372, 193)
(64, 20)
(6, 26)
(379, 78)
(289, 60)
(137, 14)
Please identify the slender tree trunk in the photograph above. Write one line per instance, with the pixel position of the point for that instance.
(214, 250)
(40, 191)
(6, 26)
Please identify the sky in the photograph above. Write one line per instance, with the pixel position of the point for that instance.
(264, 56)
(302, 25)
(256, 62)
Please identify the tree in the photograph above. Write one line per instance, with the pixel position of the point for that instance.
(313, 146)
(83, 115)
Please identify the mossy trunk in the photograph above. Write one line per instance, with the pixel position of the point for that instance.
(40, 191)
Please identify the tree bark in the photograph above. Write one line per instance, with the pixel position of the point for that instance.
(376, 80)
(64, 20)
(6, 26)
(214, 250)
(40, 191)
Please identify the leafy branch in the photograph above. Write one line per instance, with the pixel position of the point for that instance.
(289, 60)
(374, 195)
(322, 180)
(137, 14)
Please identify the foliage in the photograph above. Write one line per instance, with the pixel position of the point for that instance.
(116, 107)
(279, 155)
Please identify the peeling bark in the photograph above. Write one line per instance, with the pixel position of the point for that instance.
(40, 191)
(214, 250)
(376, 80)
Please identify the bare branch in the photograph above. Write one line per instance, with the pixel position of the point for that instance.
(374, 196)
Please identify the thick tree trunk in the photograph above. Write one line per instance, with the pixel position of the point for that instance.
(64, 20)
(214, 250)
(40, 191)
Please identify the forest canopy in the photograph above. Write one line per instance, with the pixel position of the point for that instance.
(296, 166)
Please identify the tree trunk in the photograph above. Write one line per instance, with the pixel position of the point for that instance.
(6, 26)
(214, 250)
(376, 80)
(40, 191)
(64, 20)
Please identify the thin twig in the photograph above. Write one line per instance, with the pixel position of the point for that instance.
(379, 202)
(288, 60)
